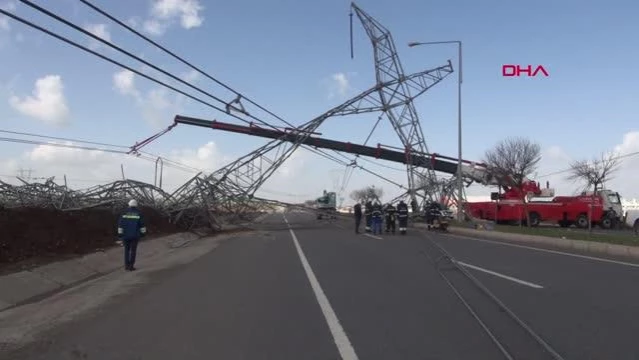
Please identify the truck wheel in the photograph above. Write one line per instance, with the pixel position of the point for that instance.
(606, 223)
(534, 219)
(582, 221)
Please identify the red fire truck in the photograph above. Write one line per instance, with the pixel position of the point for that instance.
(562, 210)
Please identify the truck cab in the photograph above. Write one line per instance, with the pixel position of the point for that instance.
(326, 205)
(611, 203)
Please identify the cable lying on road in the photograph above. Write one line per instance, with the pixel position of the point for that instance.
(445, 256)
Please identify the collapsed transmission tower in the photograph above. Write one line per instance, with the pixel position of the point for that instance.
(244, 176)
(394, 91)
(391, 95)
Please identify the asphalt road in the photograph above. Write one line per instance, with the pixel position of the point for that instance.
(319, 291)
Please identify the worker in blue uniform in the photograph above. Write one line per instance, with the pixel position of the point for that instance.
(131, 229)
(378, 214)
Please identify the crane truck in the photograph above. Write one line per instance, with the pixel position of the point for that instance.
(509, 206)
(562, 210)
(326, 205)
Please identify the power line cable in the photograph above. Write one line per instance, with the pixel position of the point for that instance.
(63, 139)
(71, 42)
(182, 60)
(118, 48)
(149, 156)
(34, 142)
(115, 62)
(84, 48)
(595, 162)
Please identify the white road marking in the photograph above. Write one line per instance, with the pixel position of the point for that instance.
(522, 282)
(339, 335)
(550, 251)
(373, 236)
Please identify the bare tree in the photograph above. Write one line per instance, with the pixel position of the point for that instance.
(594, 174)
(367, 193)
(512, 160)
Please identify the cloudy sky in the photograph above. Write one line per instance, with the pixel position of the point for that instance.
(293, 58)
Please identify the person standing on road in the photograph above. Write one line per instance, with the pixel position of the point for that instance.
(390, 211)
(357, 209)
(368, 213)
(402, 216)
(377, 218)
(130, 229)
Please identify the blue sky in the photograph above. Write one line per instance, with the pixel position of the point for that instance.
(285, 54)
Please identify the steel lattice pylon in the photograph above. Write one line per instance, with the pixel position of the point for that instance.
(397, 104)
(393, 94)
(243, 177)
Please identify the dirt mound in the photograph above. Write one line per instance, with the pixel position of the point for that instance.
(27, 233)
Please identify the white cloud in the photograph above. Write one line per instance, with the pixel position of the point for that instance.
(9, 6)
(5, 22)
(165, 13)
(188, 11)
(158, 108)
(339, 85)
(133, 22)
(99, 30)
(155, 104)
(47, 103)
(155, 27)
(190, 76)
(124, 83)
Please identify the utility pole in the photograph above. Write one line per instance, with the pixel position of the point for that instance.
(460, 182)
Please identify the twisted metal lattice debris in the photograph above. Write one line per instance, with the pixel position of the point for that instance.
(197, 203)
(229, 193)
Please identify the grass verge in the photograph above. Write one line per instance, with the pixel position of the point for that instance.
(621, 237)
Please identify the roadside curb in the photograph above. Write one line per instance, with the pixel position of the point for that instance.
(580, 245)
(28, 285)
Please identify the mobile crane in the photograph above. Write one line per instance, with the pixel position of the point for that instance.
(509, 206)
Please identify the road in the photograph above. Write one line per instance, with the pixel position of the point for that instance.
(304, 289)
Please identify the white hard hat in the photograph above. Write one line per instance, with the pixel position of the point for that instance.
(133, 203)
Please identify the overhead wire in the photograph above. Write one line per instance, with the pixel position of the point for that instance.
(330, 157)
(595, 162)
(146, 156)
(118, 48)
(62, 139)
(117, 63)
(182, 60)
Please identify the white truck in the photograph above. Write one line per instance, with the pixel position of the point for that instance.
(632, 219)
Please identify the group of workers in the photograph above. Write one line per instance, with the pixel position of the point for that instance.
(375, 214)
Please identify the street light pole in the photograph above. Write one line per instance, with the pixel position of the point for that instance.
(460, 183)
